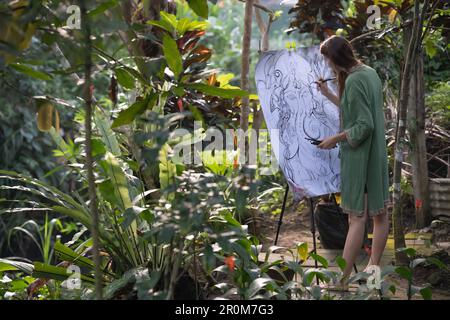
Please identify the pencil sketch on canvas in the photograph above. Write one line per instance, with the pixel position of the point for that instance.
(292, 104)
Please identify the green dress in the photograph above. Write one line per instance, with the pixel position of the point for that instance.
(363, 156)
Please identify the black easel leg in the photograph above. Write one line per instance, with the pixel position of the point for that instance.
(313, 232)
(283, 207)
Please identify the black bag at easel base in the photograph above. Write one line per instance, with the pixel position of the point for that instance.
(332, 224)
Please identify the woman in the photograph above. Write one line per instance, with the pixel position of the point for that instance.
(364, 167)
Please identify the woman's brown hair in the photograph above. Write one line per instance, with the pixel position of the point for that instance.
(341, 53)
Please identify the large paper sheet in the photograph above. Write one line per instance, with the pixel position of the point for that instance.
(292, 104)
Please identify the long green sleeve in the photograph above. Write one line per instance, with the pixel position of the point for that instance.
(360, 114)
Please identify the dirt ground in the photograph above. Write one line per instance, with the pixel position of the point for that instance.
(296, 228)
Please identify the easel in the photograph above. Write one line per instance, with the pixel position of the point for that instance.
(264, 28)
(313, 226)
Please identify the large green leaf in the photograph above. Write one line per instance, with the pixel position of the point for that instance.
(426, 293)
(75, 214)
(404, 272)
(49, 192)
(128, 115)
(217, 92)
(107, 135)
(119, 181)
(172, 55)
(31, 72)
(67, 254)
(13, 265)
(257, 285)
(319, 259)
(125, 78)
(167, 169)
(46, 271)
(200, 7)
(103, 7)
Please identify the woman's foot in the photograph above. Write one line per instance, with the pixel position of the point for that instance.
(340, 285)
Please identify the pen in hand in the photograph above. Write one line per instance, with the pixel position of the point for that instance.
(324, 80)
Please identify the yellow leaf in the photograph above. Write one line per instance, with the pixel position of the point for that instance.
(302, 250)
(224, 79)
(392, 15)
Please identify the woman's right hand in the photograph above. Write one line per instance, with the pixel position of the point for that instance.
(323, 88)
(329, 94)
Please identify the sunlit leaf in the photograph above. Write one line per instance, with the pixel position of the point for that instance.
(172, 55)
(200, 7)
(31, 72)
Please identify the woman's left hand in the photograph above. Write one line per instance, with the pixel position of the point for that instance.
(328, 143)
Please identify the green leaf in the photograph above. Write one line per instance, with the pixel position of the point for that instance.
(46, 271)
(74, 214)
(13, 265)
(161, 24)
(169, 18)
(116, 285)
(319, 259)
(50, 193)
(231, 220)
(437, 263)
(172, 55)
(410, 252)
(119, 181)
(125, 78)
(107, 135)
(426, 293)
(404, 272)
(430, 47)
(131, 214)
(341, 263)
(167, 170)
(103, 7)
(67, 254)
(31, 72)
(256, 285)
(128, 115)
(218, 92)
(200, 7)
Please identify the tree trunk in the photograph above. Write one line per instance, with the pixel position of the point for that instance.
(416, 128)
(414, 44)
(399, 237)
(245, 66)
(87, 91)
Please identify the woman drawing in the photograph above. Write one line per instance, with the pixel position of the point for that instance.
(364, 166)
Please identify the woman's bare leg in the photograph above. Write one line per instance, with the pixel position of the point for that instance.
(354, 240)
(380, 236)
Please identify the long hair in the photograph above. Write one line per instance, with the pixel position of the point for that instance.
(341, 53)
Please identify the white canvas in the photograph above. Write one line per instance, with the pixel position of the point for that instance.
(292, 104)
